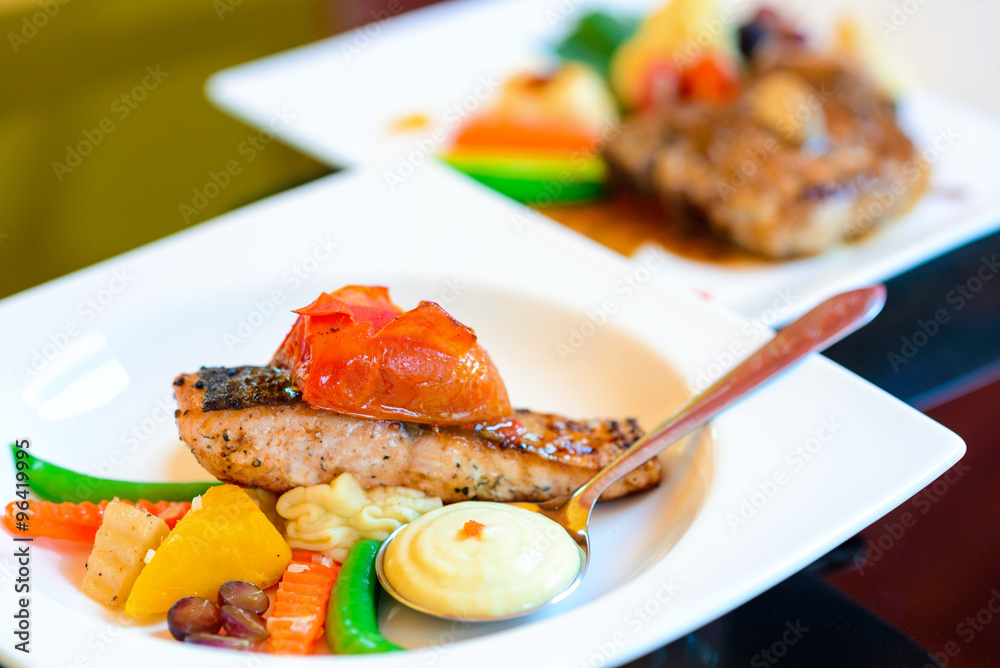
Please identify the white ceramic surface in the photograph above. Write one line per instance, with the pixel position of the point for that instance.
(343, 95)
(794, 470)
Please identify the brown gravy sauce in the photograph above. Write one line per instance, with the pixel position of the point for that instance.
(623, 221)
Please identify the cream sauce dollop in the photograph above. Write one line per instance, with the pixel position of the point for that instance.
(516, 561)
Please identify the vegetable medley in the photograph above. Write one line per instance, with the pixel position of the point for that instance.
(539, 142)
(143, 553)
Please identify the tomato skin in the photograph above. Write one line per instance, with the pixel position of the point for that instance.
(357, 353)
(711, 80)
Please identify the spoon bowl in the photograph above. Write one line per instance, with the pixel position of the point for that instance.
(816, 330)
(392, 591)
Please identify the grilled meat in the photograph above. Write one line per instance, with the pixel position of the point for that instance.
(781, 172)
(247, 425)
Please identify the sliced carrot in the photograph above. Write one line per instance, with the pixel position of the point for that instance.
(310, 557)
(488, 131)
(77, 522)
(299, 610)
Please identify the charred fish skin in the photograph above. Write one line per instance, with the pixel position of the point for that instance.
(244, 426)
(244, 386)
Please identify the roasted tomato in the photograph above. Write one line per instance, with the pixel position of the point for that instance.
(355, 352)
(711, 79)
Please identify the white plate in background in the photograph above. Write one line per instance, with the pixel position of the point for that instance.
(796, 468)
(338, 99)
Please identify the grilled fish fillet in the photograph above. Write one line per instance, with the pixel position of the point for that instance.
(248, 425)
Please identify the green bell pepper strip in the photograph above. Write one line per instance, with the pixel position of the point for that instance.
(595, 38)
(533, 179)
(54, 483)
(536, 193)
(351, 618)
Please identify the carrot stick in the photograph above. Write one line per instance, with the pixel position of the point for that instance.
(492, 132)
(77, 522)
(299, 610)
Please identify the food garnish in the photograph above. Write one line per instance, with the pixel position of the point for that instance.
(352, 621)
(193, 614)
(674, 54)
(240, 623)
(410, 122)
(120, 546)
(78, 522)
(299, 614)
(544, 137)
(534, 179)
(595, 38)
(239, 610)
(538, 141)
(355, 352)
(572, 97)
(227, 538)
(54, 483)
(710, 79)
(244, 595)
(472, 528)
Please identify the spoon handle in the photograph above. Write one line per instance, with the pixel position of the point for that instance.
(816, 330)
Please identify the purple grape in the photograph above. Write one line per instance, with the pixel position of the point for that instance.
(243, 623)
(767, 26)
(750, 36)
(244, 595)
(213, 640)
(193, 615)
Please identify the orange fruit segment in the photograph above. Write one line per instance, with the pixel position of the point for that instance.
(228, 538)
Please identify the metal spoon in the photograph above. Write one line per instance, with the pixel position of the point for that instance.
(816, 330)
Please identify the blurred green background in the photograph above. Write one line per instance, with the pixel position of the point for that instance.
(106, 131)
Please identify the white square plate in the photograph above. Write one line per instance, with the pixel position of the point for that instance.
(345, 93)
(788, 474)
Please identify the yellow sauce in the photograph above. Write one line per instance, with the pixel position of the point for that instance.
(411, 122)
(517, 560)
